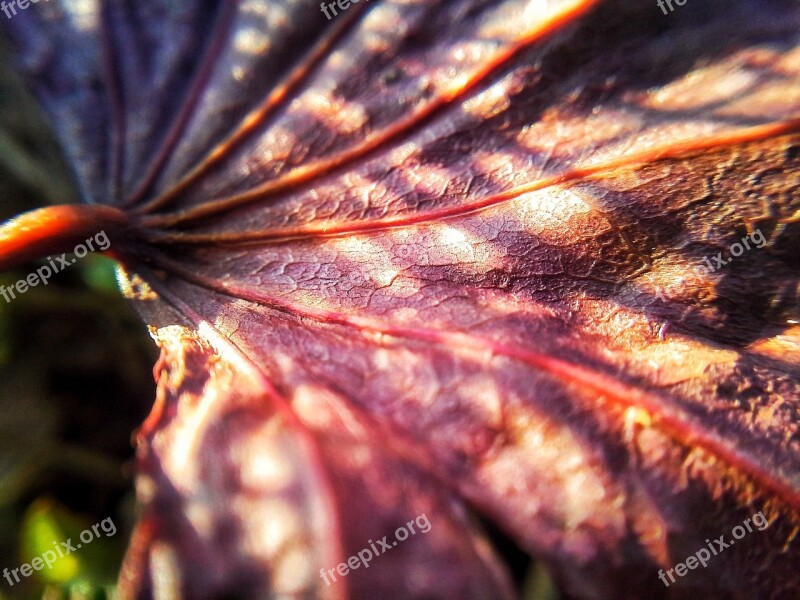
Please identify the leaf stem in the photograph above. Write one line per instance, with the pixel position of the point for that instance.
(57, 229)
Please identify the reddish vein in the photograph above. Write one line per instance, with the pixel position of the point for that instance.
(221, 32)
(256, 118)
(249, 369)
(306, 173)
(674, 420)
(592, 172)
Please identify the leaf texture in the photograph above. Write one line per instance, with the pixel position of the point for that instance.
(440, 258)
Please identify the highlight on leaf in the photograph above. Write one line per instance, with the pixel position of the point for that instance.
(443, 258)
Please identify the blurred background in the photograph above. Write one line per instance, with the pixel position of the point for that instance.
(76, 372)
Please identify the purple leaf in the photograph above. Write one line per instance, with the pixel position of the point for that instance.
(429, 261)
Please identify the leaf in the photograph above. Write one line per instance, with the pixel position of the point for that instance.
(528, 261)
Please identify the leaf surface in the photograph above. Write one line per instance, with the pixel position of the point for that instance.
(444, 259)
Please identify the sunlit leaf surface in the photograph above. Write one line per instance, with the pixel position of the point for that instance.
(447, 258)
